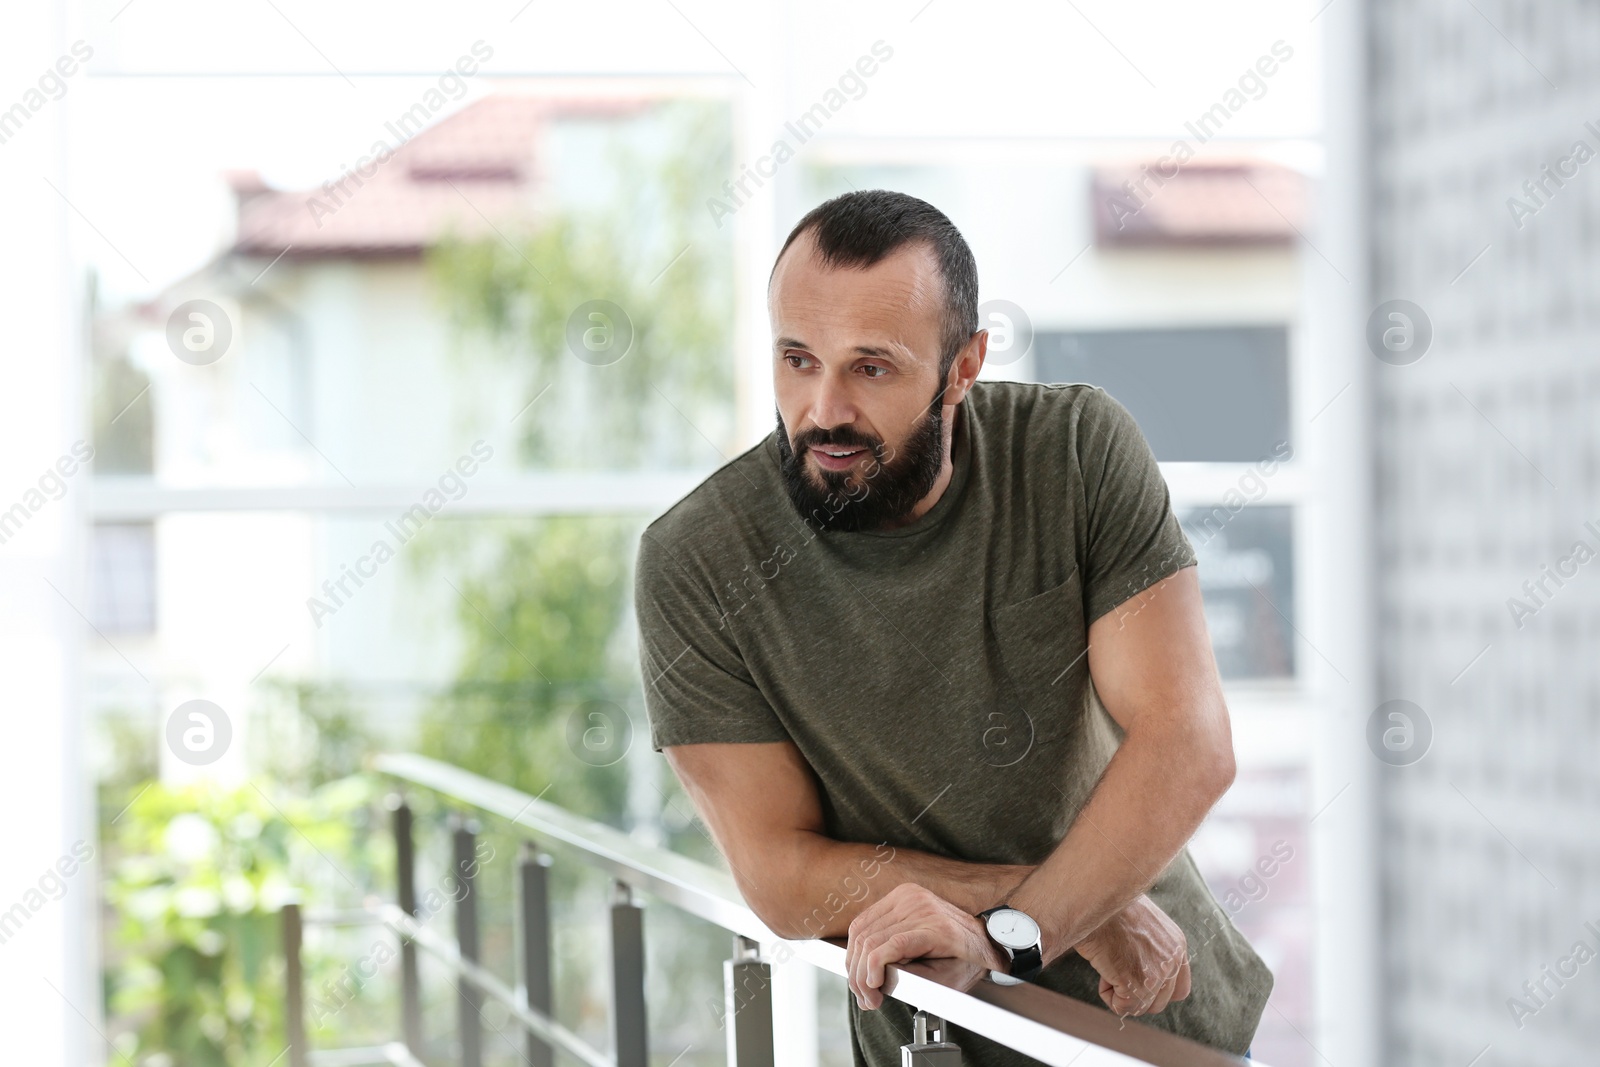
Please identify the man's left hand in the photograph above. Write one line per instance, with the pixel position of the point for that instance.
(1142, 957)
(908, 923)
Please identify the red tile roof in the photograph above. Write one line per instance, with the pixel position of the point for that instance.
(470, 174)
(1240, 203)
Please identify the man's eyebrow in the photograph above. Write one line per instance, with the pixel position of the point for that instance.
(876, 351)
(881, 353)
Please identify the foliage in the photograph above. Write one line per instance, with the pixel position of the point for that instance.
(540, 604)
(124, 437)
(545, 606)
(123, 430)
(654, 251)
(309, 734)
(195, 879)
(195, 876)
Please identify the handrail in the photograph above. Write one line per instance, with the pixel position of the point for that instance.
(548, 1029)
(1038, 1022)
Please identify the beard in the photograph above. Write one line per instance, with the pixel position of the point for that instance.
(877, 491)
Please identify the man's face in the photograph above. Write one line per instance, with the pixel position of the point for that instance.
(861, 406)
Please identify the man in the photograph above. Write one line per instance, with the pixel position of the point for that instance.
(936, 646)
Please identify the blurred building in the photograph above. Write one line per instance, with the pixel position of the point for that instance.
(335, 391)
(1485, 217)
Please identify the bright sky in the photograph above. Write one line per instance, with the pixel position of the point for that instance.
(178, 90)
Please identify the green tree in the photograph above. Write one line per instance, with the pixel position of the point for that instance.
(545, 608)
(540, 609)
(656, 253)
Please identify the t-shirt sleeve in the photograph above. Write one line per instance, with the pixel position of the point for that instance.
(1133, 536)
(696, 687)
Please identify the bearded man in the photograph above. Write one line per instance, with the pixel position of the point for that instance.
(931, 662)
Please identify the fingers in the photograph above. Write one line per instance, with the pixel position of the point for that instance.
(879, 913)
(1120, 999)
(1124, 1004)
(1144, 965)
(875, 966)
(872, 969)
(1147, 996)
(1163, 996)
(865, 958)
(857, 969)
(908, 923)
(1131, 1000)
(1175, 983)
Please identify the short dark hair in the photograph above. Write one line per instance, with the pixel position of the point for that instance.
(860, 228)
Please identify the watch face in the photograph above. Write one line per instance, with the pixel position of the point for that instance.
(1013, 929)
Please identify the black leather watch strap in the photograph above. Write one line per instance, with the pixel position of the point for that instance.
(1027, 964)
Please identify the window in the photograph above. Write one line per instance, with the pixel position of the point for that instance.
(122, 561)
(1206, 395)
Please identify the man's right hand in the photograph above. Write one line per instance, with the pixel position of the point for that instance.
(1142, 957)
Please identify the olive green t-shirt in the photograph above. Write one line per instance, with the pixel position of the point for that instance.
(935, 676)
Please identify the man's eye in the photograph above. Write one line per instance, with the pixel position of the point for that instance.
(875, 371)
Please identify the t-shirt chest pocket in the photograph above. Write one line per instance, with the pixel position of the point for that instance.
(1042, 644)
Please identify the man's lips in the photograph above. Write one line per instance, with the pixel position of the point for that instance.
(838, 457)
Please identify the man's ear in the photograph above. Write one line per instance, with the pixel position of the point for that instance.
(964, 370)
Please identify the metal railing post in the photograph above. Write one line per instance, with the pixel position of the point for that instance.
(405, 866)
(631, 1038)
(464, 865)
(533, 909)
(925, 1050)
(294, 1005)
(747, 1005)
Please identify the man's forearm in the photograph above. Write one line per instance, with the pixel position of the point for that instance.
(828, 882)
(1153, 796)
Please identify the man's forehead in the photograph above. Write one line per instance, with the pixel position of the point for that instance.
(904, 285)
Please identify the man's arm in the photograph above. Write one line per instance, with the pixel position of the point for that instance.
(764, 810)
(1151, 662)
(1152, 666)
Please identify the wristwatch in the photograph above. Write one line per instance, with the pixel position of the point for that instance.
(1016, 933)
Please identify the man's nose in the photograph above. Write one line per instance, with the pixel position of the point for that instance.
(833, 405)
